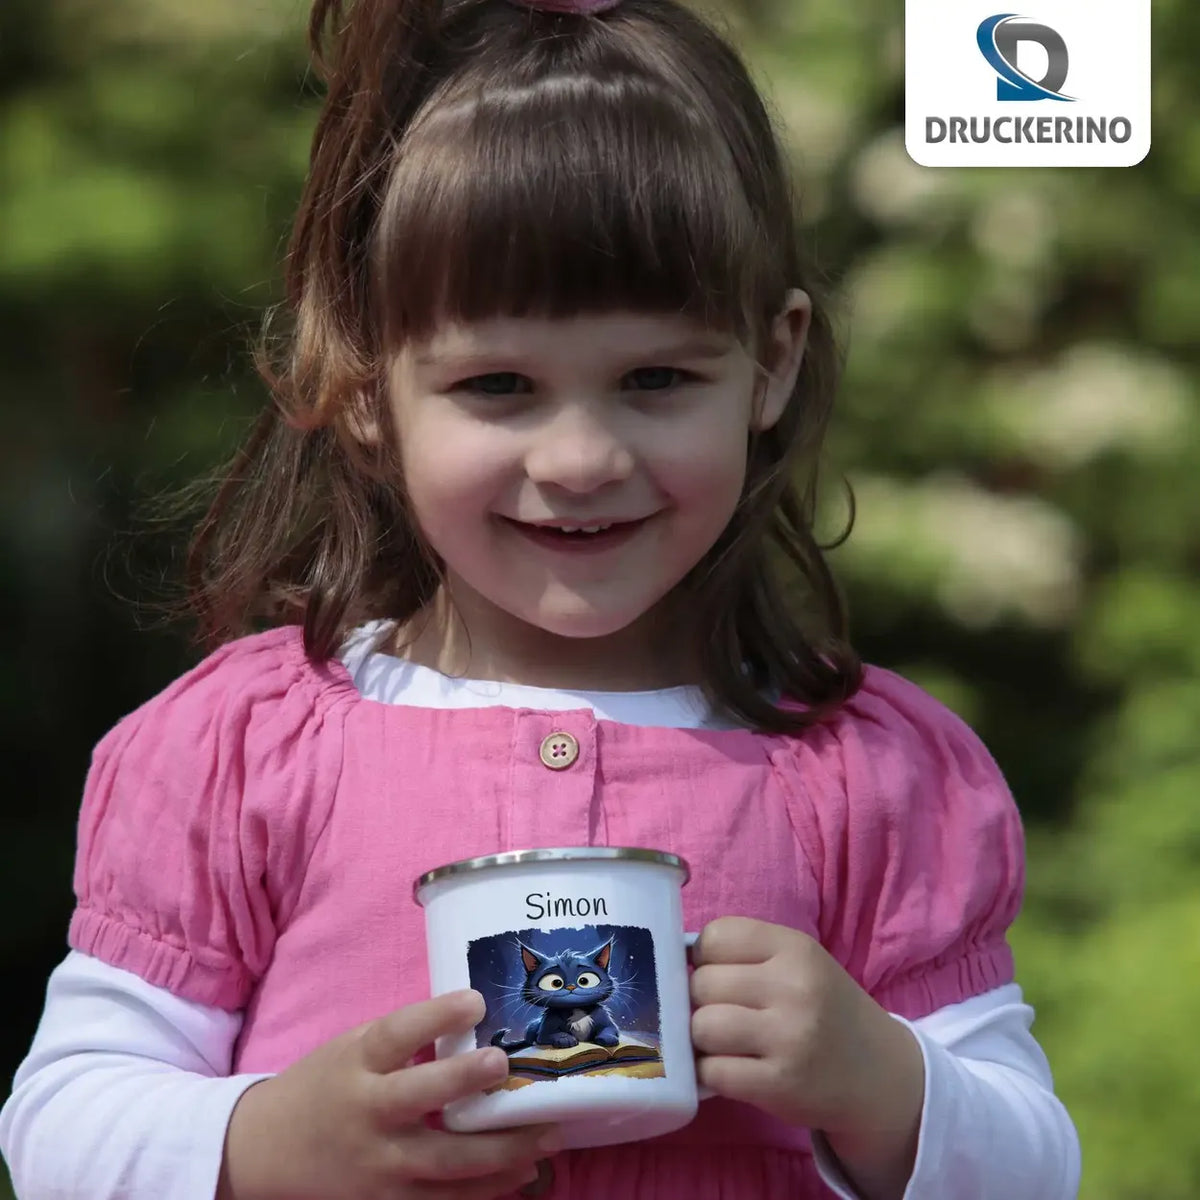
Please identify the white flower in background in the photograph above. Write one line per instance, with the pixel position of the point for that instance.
(1014, 232)
(1096, 397)
(889, 291)
(890, 188)
(817, 125)
(983, 557)
(1005, 313)
(1016, 229)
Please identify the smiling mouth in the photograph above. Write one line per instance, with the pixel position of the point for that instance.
(577, 537)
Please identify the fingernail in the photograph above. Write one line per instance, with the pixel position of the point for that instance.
(493, 1060)
(470, 1004)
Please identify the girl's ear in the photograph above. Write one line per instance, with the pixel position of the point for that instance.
(782, 357)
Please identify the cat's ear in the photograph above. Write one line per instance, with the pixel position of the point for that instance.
(600, 957)
(531, 958)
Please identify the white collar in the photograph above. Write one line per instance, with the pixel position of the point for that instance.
(391, 680)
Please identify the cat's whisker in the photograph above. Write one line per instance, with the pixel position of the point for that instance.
(628, 984)
(507, 998)
(512, 992)
(511, 1012)
(507, 985)
(504, 1011)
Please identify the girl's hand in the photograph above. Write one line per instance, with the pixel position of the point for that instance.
(779, 1024)
(349, 1119)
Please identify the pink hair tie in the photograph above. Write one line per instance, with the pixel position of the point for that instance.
(582, 8)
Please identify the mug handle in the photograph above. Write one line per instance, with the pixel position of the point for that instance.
(689, 940)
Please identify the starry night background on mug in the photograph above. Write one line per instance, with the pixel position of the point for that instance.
(495, 968)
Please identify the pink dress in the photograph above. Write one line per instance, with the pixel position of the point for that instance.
(250, 836)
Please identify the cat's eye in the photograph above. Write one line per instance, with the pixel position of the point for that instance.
(552, 983)
(589, 979)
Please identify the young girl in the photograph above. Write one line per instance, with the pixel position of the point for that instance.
(540, 461)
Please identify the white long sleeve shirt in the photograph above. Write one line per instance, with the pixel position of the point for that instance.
(126, 1092)
(125, 1096)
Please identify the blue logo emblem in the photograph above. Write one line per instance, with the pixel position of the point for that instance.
(998, 38)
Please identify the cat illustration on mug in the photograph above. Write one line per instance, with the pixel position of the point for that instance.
(571, 989)
(585, 1000)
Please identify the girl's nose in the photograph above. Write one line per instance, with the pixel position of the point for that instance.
(579, 453)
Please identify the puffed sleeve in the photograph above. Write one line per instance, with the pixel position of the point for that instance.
(916, 846)
(198, 815)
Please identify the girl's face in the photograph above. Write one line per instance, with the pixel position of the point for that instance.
(570, 472)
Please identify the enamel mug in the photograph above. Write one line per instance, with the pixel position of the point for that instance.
(581, 957)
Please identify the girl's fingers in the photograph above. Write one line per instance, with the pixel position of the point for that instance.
(739, 940)
(407, 1095)
(389, 1043)
(435, 1155)
(728, 984)
(729, 1029)
(748, 1080)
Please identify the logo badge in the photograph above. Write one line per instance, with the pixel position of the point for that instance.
(1062, 85)
(999, 38)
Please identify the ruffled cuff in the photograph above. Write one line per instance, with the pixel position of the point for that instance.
(224, 985)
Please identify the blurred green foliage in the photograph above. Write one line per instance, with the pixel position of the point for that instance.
(1020, 420)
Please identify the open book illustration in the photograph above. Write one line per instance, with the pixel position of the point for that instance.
(632, 1058)
(550, 1062)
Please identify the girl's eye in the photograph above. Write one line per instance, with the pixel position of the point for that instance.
(655, 379)
(497, 383)
(552, 983)
(588, 980)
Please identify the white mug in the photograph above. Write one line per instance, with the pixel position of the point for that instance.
(581, 956)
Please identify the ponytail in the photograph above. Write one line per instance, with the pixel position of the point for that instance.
(376, 59)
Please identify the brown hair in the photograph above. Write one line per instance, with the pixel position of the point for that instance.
(473, 159)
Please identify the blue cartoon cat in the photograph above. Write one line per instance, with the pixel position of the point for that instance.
(571, 989)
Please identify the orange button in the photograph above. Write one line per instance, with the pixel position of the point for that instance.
(559, 751)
